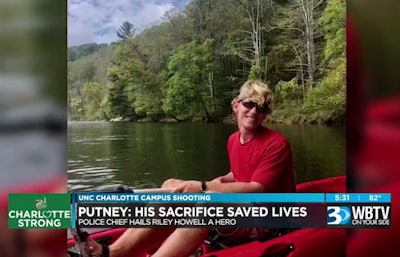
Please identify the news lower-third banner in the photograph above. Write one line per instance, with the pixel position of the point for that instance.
(202, 210)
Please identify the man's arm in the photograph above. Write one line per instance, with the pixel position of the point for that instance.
(229, 177)
(194, 186)
(229, 185)
(235, 187)
(174, 182)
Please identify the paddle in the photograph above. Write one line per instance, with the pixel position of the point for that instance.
(80, 238)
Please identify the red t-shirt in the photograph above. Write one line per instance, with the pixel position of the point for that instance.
(266, 159)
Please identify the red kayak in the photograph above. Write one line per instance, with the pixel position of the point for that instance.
(304, 242)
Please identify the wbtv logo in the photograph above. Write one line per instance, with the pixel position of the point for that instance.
(359, 216)
(338, 215)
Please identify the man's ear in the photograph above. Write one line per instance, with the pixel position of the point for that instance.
(235, 107)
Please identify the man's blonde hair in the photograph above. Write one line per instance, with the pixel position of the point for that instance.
(256, 91)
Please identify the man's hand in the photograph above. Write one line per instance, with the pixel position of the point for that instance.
(189, 186)
(94, 247)
(172, 182)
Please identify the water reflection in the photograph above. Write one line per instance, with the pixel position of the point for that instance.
(105, 155)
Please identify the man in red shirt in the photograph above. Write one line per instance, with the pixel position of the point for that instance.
(260, 161)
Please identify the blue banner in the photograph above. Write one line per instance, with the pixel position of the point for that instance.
(200, 197)
(358, 198)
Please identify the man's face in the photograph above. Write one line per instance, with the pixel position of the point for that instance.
(249, 115)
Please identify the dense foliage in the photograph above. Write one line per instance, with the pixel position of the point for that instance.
(190, 66)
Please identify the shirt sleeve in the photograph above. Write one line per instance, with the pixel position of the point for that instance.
(230, 143)
(275, 169)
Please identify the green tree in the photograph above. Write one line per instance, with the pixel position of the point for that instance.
(192, 64)
(187, 93)
(135, 90)
(329, 96)
(287, 92)
(120, 73)
(118, 100)
(92, 96)
(126, 31)
(75, 110)
(332, 25)
(328, 99)
(146, 93)
(178, 26)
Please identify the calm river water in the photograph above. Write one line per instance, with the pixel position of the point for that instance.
(104, 155)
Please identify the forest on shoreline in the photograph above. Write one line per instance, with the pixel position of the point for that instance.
(191, 65)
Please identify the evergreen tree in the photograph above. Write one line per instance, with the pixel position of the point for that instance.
(127, 30)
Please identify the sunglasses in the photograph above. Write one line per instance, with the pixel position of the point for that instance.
(260, 109)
